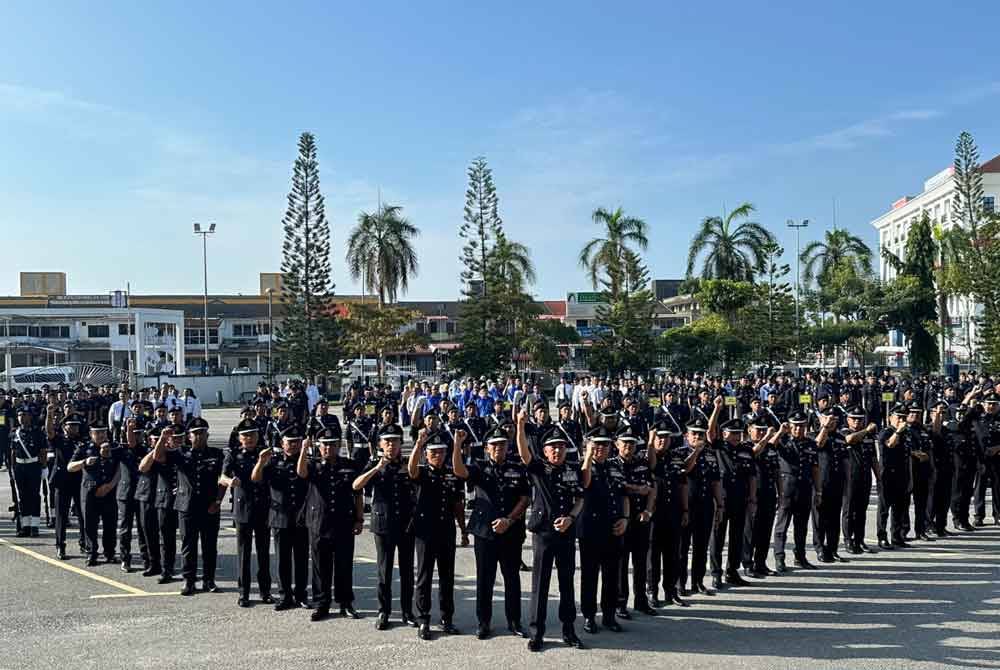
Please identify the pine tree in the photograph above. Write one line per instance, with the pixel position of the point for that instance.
(308, 337)
(626, 340)
(915, 289)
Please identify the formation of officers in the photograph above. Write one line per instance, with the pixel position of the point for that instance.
(656, 497)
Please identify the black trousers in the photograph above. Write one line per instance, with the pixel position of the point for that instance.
(599, 557)
(167, 521)
(28, 477)
(151, 529)
(129, 516)
(332, 568)
(921, 497)
(893, 500)
(635, 546)
(795, 507)
(436, 549)
(503, 551)
(248, 536)
(386, 547)
(730, 527)
(963, 486)
(826, 517)
(293, 557)
(199, 526)
(100, 510)
(757, 538)
(940, 496)
(62, 498)
(857, 494)
(695, 538)
(665, 551)
(550, 548)
(988, 476)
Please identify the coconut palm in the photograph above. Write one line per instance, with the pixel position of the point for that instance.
(839, 249)
(380, 252)
(731, 250)
(510, 263)
(604, 255)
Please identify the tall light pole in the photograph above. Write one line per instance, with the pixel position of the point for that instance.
(798, 261)
(204, 257)
(270, 332)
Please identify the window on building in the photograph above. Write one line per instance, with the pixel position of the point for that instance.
(242, 362)
(126, 329)
(421, 328)
(194, 336)
(432, 327)
(54, 332)
(98, 331)
(449, 327)
(582, 323)
(989, 204)
(245, 330)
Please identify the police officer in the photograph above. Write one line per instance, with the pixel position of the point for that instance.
(863, 465)
(334, 516)
(962, 433)
(99, 482)
(476, 427)
(834, 459)
(800, 487)
(288, 496)
(668, 460)
(497, 523)
(760, 518)
(738, 483)
(145, 496)
(65, 485)
(198, 502)
(704, 505)
(129, 453)
(251, 510)
(600, 530)
(988, 416)
(943, 463)
(171, 439)
(922, 471)
(572, 430)
(556, 502)
(322, 420)
(28, 456)
(391, 513)
(433, 523)
(640, 485)
(359, 434)
(894, 444)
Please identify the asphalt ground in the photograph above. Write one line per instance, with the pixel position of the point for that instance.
(936, 605)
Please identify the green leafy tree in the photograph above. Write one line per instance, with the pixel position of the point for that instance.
(380, 251)
(706, 344)
(542, 341)
(839, 251)
(730, 250)
(625, 340)
(373, 330)
(309, 336)
(913, 295)
(602, 256)
(727, 298)
(770, 320)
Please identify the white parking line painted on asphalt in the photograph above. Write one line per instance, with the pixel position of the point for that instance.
(131, 590)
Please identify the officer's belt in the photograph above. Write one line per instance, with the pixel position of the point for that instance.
(26, 461)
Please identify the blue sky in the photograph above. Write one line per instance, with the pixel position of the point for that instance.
(122, 123)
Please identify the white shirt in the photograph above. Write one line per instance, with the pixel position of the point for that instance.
(312, 396)
(191, 407)
(118, 412)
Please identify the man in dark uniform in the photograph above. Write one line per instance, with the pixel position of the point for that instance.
(668, 460)
(704, 505)
(334, 516)
(942, 461)
(894, 445)
(922, 471)
(497, 523)
(760, 518)
(197, 502)
(962, 432)
(988, 416)
(129, 453)
(557, 498)
(738, 479)
(288, 496)
(171, 439)
(800, 487)
(433, 523)
(98, 484)
(65, 485)
(570, 427)
(640, 486)
(145, 495)
(863, 465)
(476, 426)
(391, 513)
(28, 456)
(322, 420)
(833, 458)
(251, 510)
(358, 434)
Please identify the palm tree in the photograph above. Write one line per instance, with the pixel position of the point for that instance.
(732, 251)
(511, 264)
(380, 252)
(838, 250)
(607, 254)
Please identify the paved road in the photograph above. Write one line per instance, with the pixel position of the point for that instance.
(934, 606)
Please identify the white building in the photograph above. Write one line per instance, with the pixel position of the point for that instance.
(936, 199)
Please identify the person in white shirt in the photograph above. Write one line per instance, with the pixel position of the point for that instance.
(118, 413)
(564, 391)
(190, 404)
(312, 395)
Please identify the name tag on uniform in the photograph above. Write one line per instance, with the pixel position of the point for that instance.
(710, 457)
(745, 456)
(512, 475)
(569, 476)
(345, 451)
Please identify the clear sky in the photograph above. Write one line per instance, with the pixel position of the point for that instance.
(121, 123)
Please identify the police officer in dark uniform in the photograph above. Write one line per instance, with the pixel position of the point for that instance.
(391, 512)
(171, 439)
(279, 425)
(497, 523)
(668, 461)
(894, 444)
(288, 497)
(572, 430)
(28, 456)
(704, 505)
(760, 517)
(922, 471)
(438, 490)
(557, 499)
(738, 479)
(322, 420)
(833, 458)
(988, 416)
(197, 502)
(600, 530)
(862, 466)
(65, 485)
(99, 482)
(475, 425)
(334, 516)
(251, 511)
(358, 434)
(943, 463)
(145, 495)
(800, 487)
(961, 430)
(640, 485)
(129, 454)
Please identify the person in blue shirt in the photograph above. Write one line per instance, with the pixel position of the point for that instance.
(484, 403)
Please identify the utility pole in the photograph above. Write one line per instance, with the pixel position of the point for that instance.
(798, 262)
(204, 256)
(270, 333)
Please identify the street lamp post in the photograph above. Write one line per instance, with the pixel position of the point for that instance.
(270, 332)
(198, 230)
(798, 261)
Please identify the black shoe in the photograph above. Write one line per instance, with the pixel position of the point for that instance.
(348, 611)
(482, 632)
(151, 571)
(319, 614)
(410, 620)
(189, 589)
(126, 566)
(110, 558)
(926, 538)
(805, 564)
(979, 523)
(612, 625)
(966, 527)
(34, 531)
(656, 602)
(885, 544)
(677, 600)
(698, 587)
(267, 598)
(165, 578)
(856, 549)
(535, 644)
(683, 592)
(780, 567)
(92, 561)
(622, 613)
(647, 610)
(825, 558)
(864, 547)
(26, 532)
(840, 559)
(382, 621)
(902, 544)
(571, 640)
(516, 629)
(424, 632)
(243, 601)
(61, 553)
(210, 586)
(717, 583)
(82, 545)
(589, 626)
(734, 579)
(761, 572)
(285, 604)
